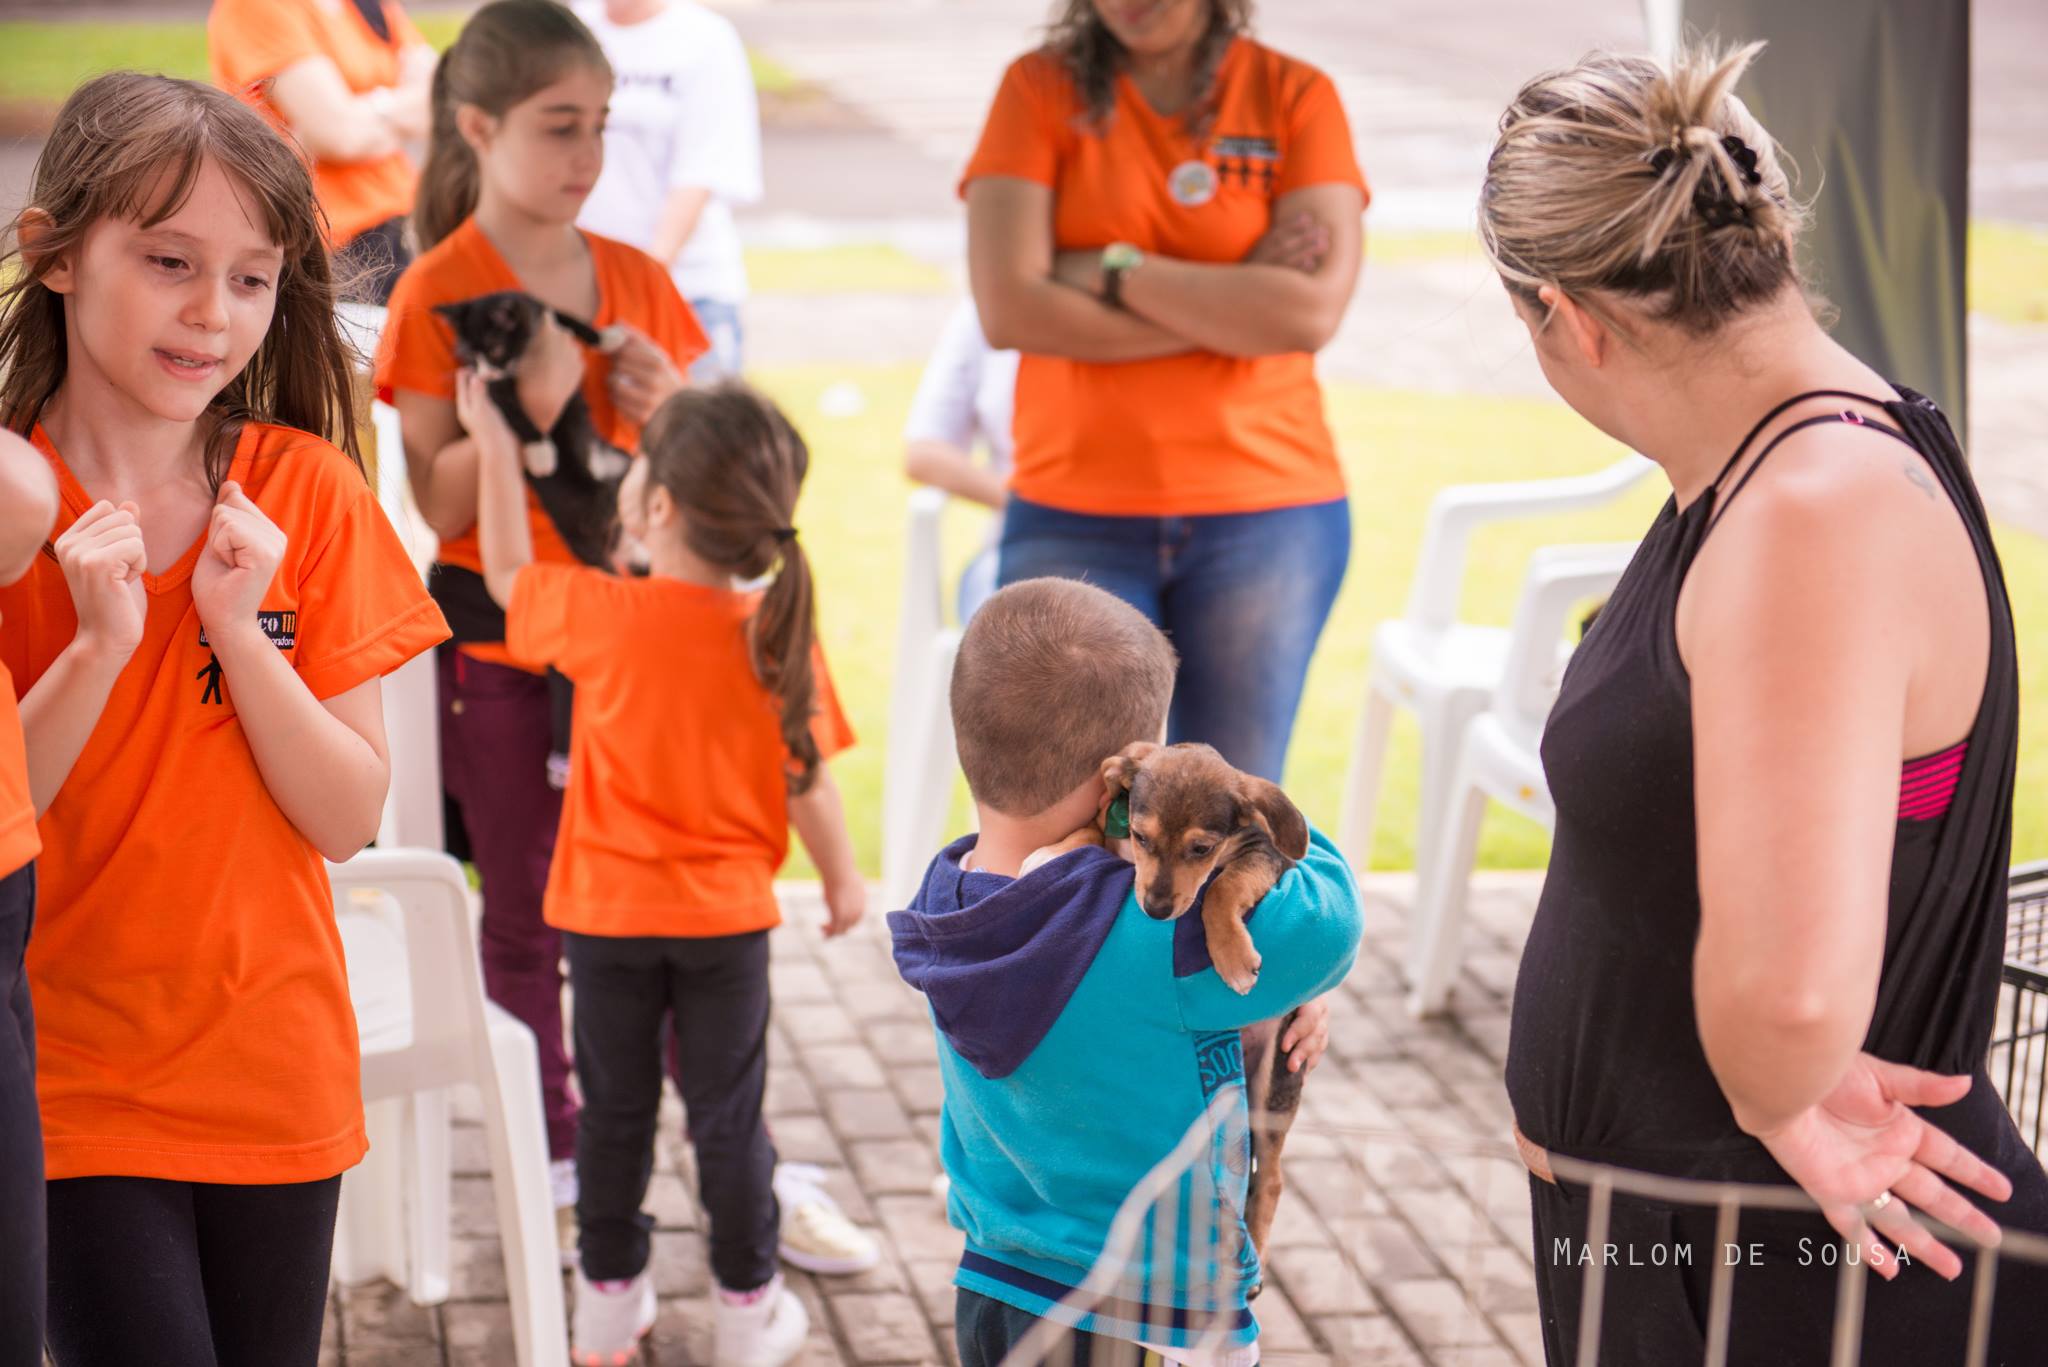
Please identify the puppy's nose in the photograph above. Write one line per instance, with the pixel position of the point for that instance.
(1158, 911)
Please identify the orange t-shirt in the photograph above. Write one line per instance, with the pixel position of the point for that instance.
(677, 812)
(192, 1009)
(1197, 433)
(417, 351)
(19, 842)
(249, 42)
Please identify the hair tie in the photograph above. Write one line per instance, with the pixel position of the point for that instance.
(784, 534)
(1718, 205)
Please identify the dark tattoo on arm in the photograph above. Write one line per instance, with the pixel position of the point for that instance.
(1919, 476)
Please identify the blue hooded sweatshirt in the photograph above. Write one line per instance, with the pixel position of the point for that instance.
(1079, 1040)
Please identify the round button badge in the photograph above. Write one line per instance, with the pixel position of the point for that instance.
(1192, 183)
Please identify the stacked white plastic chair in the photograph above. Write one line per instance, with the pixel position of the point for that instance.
(1444, 670)
(919, 768)
(426, 1029)
(1448, 672)
(1498, 757)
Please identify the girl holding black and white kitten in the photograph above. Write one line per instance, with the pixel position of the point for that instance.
(519, 108)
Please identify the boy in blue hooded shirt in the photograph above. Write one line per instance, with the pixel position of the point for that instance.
(1080, 1039)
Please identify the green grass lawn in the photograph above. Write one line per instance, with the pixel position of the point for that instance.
(1399, 450)
(43, 61)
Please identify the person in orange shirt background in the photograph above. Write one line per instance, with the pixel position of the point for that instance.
(704, 717)
(28, 507)
(348, 80)
(198, 662)
(519, 104)
(1164, 217)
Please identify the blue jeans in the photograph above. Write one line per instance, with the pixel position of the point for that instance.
(1242, 596)
(721, 323)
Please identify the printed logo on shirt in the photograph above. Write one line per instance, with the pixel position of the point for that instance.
(1192, 183)
(1249, 160)
(281, 627)
(664, 81)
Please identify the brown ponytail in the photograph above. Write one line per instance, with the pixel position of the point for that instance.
(507, 51)
(130, 146)
(734, 466)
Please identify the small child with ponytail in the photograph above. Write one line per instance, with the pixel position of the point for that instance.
(704, 717)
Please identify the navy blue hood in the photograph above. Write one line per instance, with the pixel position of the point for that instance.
(998, 957)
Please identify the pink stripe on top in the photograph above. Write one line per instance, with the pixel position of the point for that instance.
(1927, 786)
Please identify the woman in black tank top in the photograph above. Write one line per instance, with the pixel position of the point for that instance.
(1768, 946)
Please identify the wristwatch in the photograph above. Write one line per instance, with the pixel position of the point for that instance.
(1118, 260)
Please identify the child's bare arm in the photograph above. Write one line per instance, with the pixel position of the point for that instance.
(28, 505)
(502, 531)
(323, 760)
(819, 817)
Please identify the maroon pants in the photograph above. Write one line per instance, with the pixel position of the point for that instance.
(495, 735)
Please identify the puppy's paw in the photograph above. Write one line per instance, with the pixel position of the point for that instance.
(540, 458)
(1239, 970)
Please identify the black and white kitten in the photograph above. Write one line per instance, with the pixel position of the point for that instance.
(574, 471)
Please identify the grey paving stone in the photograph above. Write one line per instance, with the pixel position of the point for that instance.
(884, 1328)
(865, 1113)
(378, 1314)
(1436, 1312)
(896, 1166)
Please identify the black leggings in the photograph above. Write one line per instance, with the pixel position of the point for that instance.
(188, 1274)
(21, 1135)
(714, 992)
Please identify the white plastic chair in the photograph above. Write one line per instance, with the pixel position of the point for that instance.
(412, 728)
(918, 770)
(1498, 757)
(404, 918)
(1444, 670)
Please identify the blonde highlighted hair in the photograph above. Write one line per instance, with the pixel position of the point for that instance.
(1654, 182)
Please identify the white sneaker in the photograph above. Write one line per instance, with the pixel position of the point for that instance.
(816, 1235)
(562, 1182)
(609, 1324)
(763, 1333)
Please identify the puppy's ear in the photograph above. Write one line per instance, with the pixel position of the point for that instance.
(1121, 768)
(1265, 804)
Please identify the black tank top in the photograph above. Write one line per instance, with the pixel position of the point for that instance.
(1604, 1056)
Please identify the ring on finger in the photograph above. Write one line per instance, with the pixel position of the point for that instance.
(1884, 1198)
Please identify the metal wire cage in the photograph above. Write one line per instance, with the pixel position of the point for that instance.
(2019, 1044)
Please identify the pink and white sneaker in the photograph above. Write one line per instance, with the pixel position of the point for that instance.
(611, 1319)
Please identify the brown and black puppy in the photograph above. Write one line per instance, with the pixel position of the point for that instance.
(1193, 816)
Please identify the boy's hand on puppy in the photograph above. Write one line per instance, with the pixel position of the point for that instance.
(1308, 1036)
(1045, 854)
(845, 903)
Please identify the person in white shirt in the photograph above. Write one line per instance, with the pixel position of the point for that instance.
(682, 146)
(967, 394)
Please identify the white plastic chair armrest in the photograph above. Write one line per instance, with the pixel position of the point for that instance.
(1559, 577)
(1454, 513)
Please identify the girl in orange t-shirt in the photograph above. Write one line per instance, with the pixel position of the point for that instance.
(1164, 217)
(519, 105)
(703, 720)
(200, 651)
